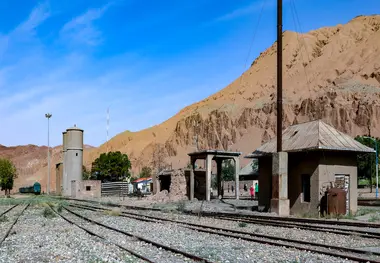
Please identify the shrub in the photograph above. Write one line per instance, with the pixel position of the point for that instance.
(48, 213)
(113, 212)
(181, 206)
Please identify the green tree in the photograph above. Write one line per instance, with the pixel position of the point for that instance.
(366, 161)
(8, 173)
(86, 175)
(111, 167)
(145, 172)
(228, 170)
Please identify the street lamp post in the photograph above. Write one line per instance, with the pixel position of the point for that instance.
(48, 116)
(377, 166)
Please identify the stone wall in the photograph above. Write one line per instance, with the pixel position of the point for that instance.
(86, 189)
(177, 190)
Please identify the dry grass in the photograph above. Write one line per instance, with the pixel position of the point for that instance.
(113, 212)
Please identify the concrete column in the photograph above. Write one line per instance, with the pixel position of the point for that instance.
(192, 180)
(219, 175)
(158, 185)
(280, 202)
(237, 171)
(208, 176)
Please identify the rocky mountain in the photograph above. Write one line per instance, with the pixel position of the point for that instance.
(332, 74)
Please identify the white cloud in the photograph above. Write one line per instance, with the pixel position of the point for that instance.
(81, 29)
(255, 6)
(38, 15)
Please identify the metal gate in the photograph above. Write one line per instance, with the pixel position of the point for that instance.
(342, 181)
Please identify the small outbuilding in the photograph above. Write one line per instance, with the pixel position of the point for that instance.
(319, 157)
(209, 156)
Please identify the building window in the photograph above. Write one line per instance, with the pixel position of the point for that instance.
(305, 188)
(76, 154)
(88, 188)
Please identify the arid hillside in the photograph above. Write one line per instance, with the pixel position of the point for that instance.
(31, 163)
(332, 74)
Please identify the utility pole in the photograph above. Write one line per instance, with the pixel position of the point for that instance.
(279, 75)
(48, 116)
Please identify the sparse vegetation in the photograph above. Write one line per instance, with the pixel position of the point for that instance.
(48, 213)
(113, 212)
(374, 218)
(4, 219)
(181, 206)
(59, 208)
(242, 224)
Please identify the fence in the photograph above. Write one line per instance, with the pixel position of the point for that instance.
(116, 189)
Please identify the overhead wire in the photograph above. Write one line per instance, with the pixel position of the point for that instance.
(245, 65)
(299, 33)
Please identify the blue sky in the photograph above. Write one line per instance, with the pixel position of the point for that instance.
(145, 60)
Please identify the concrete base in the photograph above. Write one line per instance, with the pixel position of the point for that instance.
(280, 206)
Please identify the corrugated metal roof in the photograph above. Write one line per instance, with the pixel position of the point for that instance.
(248, 170)
(215, 152)
(314, 135)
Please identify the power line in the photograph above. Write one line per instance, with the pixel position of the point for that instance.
(245, 65)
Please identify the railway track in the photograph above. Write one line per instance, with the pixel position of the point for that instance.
(156, 244)
(8, 210)
(310, 227)
(336, 251)
(329, 222)
(369, 202)
(13, 223)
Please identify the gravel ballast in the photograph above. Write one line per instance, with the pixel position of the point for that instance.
(210, 246)
(294, 233)
(143, 248)
(35, 238)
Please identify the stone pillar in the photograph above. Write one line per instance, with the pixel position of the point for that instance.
(191, 197)
(158, 185)
(237, 171)
(208, 176)
(219, 176)
(280, 202)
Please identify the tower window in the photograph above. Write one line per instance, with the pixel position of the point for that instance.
(76, 154)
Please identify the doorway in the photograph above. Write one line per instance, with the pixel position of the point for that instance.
(342, 181)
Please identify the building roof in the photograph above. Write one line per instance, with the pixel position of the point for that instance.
(248, 169)
(215, 152)
(140, 180)
(312, 136)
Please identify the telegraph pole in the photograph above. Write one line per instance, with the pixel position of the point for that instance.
(48, 116)
(279, 75)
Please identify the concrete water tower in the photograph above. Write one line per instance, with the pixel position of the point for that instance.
(74, 157)
(64, 174)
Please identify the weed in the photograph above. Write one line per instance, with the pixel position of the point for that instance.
(59, 208)
(113, 212)
(364, 211)
(48, 213)
(242, 224)
(374, 218)
(181, 206)
(4, 219)
(350, 216)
